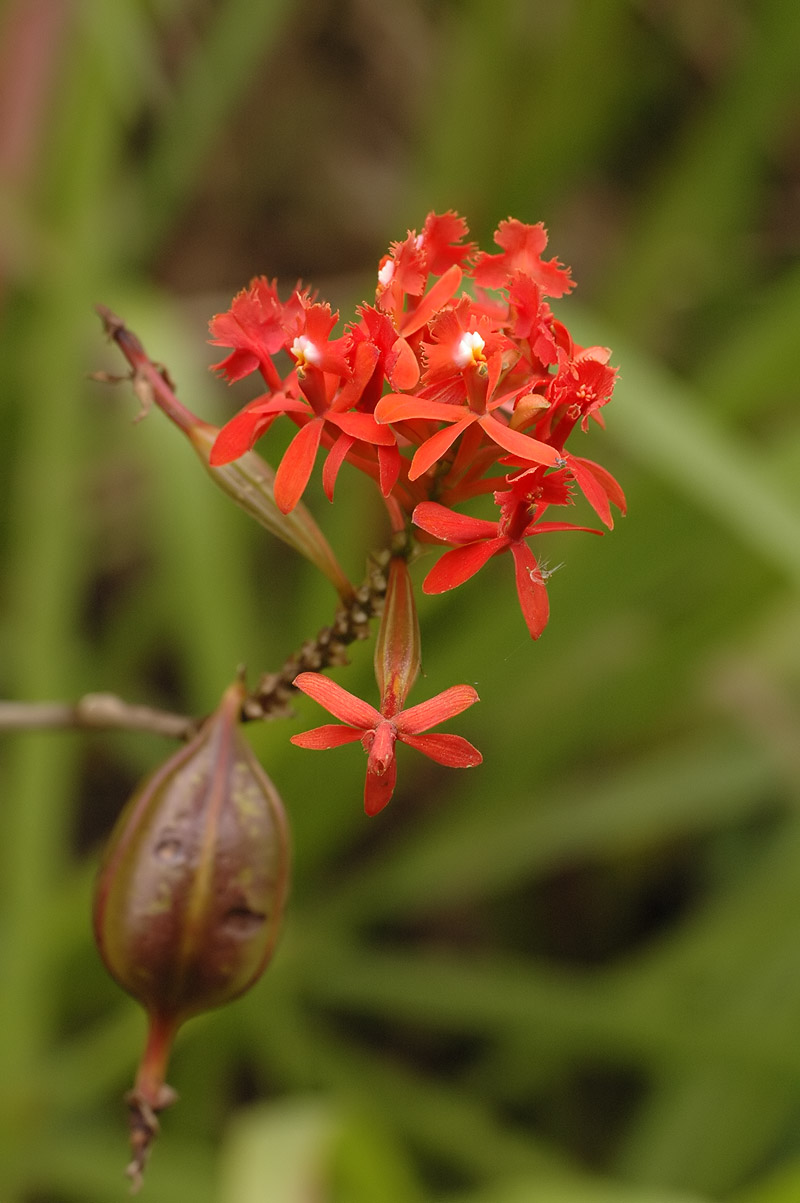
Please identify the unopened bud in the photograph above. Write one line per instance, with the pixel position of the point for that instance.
(190, 893)
(397, 648)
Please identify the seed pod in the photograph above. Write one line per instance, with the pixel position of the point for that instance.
(190, 893)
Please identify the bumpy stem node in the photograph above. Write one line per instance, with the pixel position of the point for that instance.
(272, 696)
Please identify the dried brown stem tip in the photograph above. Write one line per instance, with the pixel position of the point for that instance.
(144, 1128)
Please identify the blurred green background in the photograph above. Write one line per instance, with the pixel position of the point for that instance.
(573, 975)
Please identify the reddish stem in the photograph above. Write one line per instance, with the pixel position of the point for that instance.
(150, 1094)
(150, 1087)
(145, 369)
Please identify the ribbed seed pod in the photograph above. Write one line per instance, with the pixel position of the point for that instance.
(190, 892)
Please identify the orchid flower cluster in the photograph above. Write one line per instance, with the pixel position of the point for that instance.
(457, 387)
(456, 383)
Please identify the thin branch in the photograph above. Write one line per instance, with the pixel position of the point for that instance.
(95, 711)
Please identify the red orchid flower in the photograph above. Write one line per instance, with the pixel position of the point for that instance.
(522, 247)
(255, 327)
(468, 352)
(583, 384)
(328, 380)
(443, 240)
(378, 732)
(478, 540)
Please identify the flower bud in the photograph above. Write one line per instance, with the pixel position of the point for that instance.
(397, 648)
(190, 892)
(249, 480)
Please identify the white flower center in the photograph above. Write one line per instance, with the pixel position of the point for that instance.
(386, 273)
(469, 349)
(304, 351)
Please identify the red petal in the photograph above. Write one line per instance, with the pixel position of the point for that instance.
(295, 467)
(330, 735)
(607, 482)
(522, 249)
(460, 564)
(494, 372)
(532, 593)
(238, 436)
(592, 490)
(333, 462)
(547, 528)
(246, 428)
(367, 355)
(434, 299)
(362, 426)
(237, 365)
(402, 368)
(445, 524)
(518, 443)
(389, 463)
(440, 233)
(451, 750)
(340, 702)
(378, 789)
(397, 407)
(429, 714)
(434, 448)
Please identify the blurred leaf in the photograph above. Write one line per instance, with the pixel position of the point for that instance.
(705, 188)
(368, 1164)
(471, 854)
(754, 362)
(661, 423)
(218, 70)
(555, 1191)
(278, 1152)
(780, 1186)
(87, 1166)
(291, 1152)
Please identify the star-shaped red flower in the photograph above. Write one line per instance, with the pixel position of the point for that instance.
(477, 540)
(378, 732)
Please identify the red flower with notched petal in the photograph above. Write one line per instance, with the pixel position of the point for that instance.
(255, 327)
(326, 386)
(442, 242)
(522, 247)
(532, 318)
(379, 733)
(582, 386)
(464, 362)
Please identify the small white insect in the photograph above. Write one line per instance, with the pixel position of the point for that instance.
(543, 572)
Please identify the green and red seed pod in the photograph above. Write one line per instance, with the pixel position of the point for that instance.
(190, 893)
